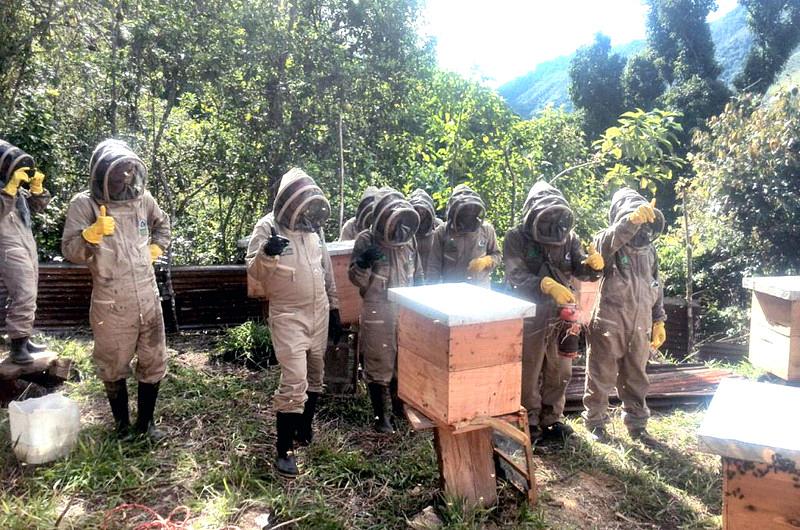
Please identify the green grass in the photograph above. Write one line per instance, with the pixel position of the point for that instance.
(218, 464)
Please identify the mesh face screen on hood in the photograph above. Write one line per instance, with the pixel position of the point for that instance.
(117, 174)
(624, 202)
(552, 225)
(467, 216)
(395, 221)
(13, 158)
(299, 203)
(465, 210)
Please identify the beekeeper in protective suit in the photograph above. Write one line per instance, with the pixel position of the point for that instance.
(363, 217)
(118, 230)
(289, 262)
(384, 256)
(628, 317)
(20, 265)
(541, 256)
(464, 249)
(428, 223)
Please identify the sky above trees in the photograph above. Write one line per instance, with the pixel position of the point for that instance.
(499, 40)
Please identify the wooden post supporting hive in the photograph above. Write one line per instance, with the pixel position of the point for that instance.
(750, 425)
(775, 325)
(460, 364)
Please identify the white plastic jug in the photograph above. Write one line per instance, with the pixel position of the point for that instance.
(44, 429)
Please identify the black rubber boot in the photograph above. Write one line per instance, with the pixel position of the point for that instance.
(286, 424)
(599, 434)
(640, 434)
(117, 393)
(381, 407)
(305, 431)
(558, 431)
(397, 403)
(148, 394)
(18, 352)
(34, 347)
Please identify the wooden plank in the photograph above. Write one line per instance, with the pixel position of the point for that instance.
(422, 384)
(484, 345)
(759, 496)
(489, 391)
(466, 465)
(41, 362)
(418, 421)
(427, 338)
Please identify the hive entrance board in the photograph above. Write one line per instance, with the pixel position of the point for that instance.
(459, 350)
(751, 426)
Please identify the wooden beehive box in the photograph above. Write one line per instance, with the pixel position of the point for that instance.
(459, 350)
(775, 325)
(349, 297)
(754, 428)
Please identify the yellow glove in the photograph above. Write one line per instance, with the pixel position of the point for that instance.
(645, 213)
(659, 335)
(594, 260)
(104, 226)
(18, 177)
(480, 264)
(562, 295)
(36, 183)
(155, 252)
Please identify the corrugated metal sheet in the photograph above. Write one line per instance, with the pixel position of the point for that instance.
(670, 384)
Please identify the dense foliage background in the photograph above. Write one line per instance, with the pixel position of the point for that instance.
(220, 98)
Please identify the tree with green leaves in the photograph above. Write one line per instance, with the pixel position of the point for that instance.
(642, 84)
(775, 25)
(595, 86)
(679, 41)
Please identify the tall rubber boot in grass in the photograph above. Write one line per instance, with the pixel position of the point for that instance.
(397, 403)
(148, 394)
(286, 424)
(305, 431)
(117, 394)
(18, 352)
(381, 399)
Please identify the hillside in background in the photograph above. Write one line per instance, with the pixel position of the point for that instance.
(549, 82)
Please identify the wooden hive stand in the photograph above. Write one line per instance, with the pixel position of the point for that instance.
(459, 369)
(45, 365)
(467, 455)
(751, 425)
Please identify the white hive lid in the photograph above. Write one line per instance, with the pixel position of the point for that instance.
(752, 421)
(457, 304)
(337, 248)
(786, 287)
